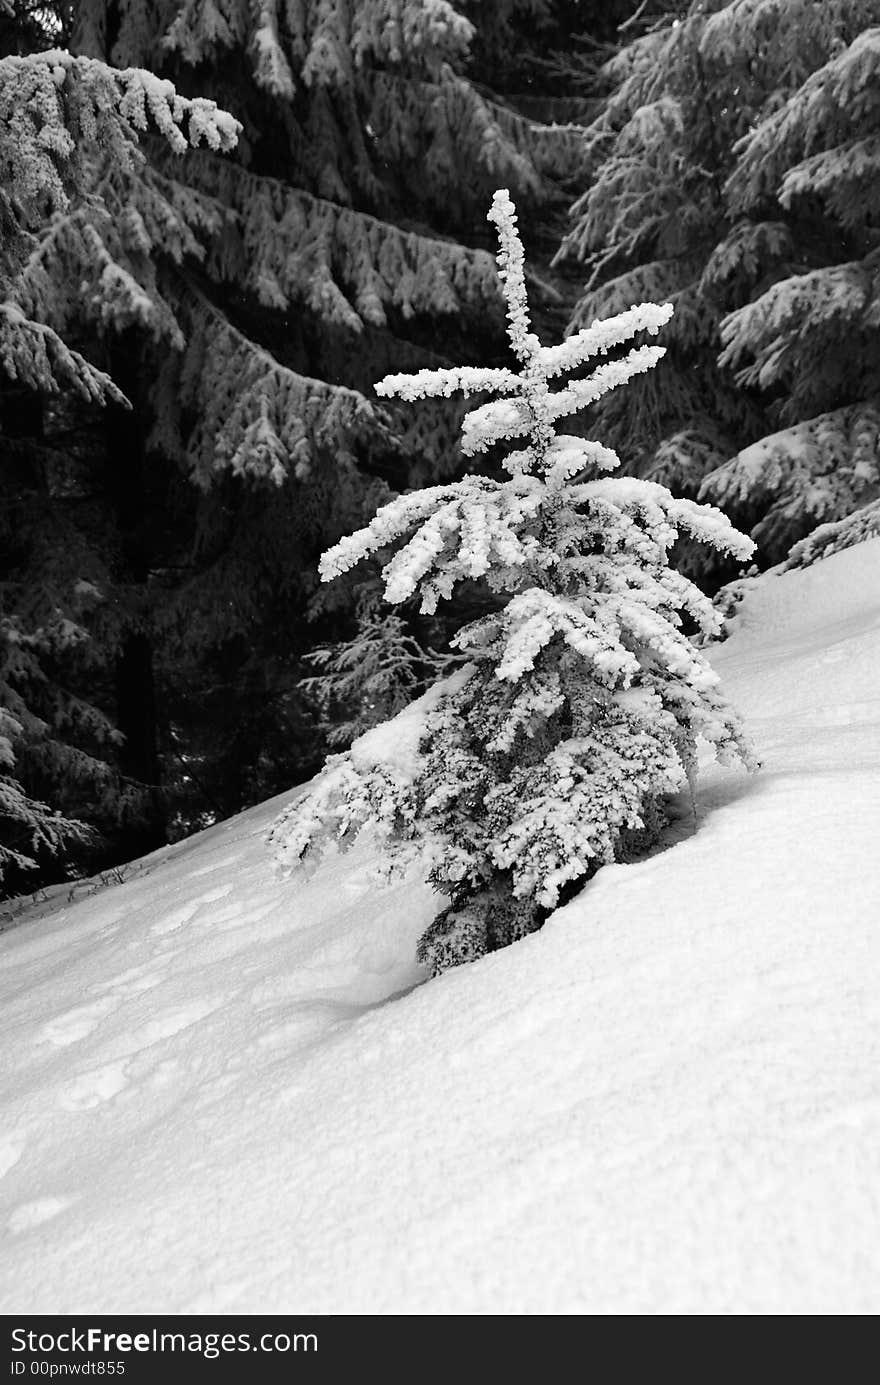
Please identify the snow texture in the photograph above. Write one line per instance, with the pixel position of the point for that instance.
(224, 1092)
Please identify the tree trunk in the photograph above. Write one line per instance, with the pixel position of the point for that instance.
(135, 685)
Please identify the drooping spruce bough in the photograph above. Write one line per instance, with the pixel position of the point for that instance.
(555, 748)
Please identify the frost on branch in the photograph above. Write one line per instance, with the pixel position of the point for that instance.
(556, 747)
(254, 416)
(80, 213)
(321, 42)
(803, 476)
(53, 106)
(35, 354)
(351, 268)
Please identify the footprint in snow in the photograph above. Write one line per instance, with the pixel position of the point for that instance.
(211, 896)
(132, 982)
(76, 1024)
(99, 1085)
(237, 916)
(169, 1023)
(170, 922)
(222, 863)
(93, 1088)
(230, 913)
(42, 1209)
(176, 918)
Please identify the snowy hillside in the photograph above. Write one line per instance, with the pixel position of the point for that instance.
(226, 1092)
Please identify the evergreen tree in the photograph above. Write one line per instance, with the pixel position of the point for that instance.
(733, 171)
(807, 337)
(555, 748)
(79, 216)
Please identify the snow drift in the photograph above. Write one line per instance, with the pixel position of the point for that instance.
(226, 1092)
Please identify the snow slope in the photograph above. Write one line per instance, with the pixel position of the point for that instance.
(226, 1092)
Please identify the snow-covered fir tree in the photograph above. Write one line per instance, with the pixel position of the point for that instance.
(78, 217)
(734, 171)
(555, 748)
(807, 337)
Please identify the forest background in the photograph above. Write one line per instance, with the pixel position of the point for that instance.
(193, 313)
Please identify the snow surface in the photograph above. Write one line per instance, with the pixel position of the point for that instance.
(226, 1092)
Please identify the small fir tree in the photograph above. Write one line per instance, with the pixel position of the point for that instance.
(554, 749)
